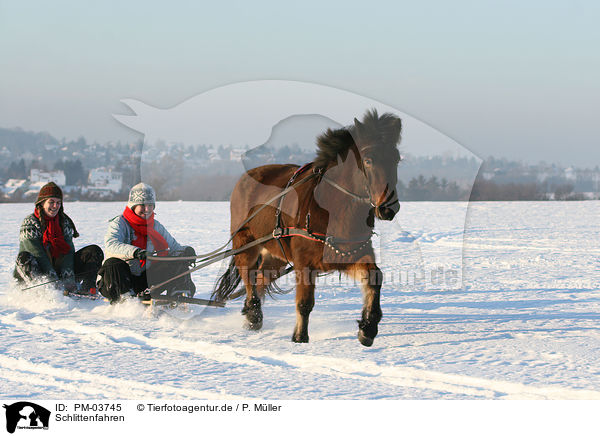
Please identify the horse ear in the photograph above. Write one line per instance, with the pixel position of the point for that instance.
(396, 129)
(398, 125)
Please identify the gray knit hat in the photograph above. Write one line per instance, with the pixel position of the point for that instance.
(141, 194)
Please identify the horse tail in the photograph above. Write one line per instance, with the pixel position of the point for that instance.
(273, 289)
(227, 283)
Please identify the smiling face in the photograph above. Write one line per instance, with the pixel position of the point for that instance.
(144, 211)
(51, 206)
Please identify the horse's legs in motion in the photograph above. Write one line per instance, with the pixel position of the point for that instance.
(305, 301)
(371, 278)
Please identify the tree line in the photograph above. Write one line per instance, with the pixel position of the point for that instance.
(431, 189)
(200, 187)
(174, 181)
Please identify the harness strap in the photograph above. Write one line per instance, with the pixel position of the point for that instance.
(246, 221)
(285, 232)
(345, 191)
(215, 258)
(278, 223)
(278, 233)
(316, 172)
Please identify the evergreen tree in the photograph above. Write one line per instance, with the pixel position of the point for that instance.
(17, 170)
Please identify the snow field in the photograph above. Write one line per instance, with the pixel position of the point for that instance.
(522, 324)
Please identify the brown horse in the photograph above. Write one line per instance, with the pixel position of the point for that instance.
(322, 224)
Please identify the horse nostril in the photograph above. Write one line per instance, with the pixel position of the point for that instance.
(385, 213)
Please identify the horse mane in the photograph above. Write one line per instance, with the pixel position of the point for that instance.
(331, 144)
(382, 130)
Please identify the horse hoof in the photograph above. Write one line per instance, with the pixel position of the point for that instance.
(253, 325)
(365, 340)
(300, 339)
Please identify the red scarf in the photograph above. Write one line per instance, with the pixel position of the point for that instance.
(53, 236)
(144, 228)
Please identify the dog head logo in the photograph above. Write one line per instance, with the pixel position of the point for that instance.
(26, 415)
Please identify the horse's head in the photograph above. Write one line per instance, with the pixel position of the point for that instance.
(376, 138)
(364, 159)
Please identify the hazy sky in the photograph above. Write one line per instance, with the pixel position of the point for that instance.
(510, 79)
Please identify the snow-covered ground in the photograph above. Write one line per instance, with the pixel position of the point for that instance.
(525, 323)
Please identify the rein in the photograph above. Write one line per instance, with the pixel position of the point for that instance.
(282, 232)
(246, 221)
(278, 233)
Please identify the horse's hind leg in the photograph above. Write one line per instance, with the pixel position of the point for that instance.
(246, 263)
(371, 278)
(305, 301)
(269, 269)
(253, 310)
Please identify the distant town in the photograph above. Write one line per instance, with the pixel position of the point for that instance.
(105, 172)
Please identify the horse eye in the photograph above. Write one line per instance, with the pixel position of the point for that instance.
(368, 162)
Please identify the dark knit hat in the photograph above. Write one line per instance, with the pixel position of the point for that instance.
(49, 190)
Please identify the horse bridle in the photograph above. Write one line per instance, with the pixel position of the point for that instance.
(368, 199)
(350, 193)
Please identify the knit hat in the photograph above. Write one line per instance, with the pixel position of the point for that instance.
(141, 194)
(49, 190)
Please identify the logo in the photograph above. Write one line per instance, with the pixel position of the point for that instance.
(26, 415)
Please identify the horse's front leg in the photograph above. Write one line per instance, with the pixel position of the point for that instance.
(370, 277)
(305, 301)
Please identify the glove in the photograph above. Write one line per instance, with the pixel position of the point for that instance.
(140, 254)
(188, 252)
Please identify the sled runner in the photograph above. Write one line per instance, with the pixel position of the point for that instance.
(76, 295)
(174, 300)
(22, 274)
(177, 305)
